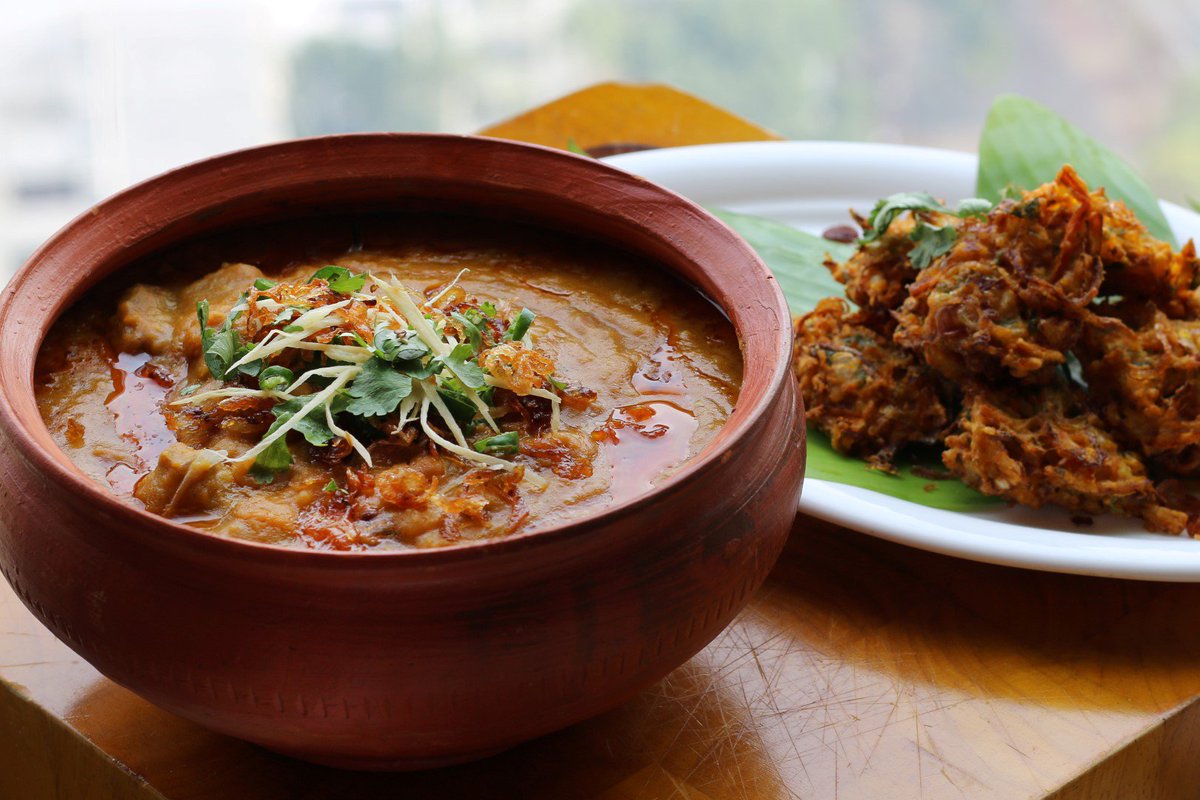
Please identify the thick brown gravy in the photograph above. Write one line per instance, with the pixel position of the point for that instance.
(662, 362)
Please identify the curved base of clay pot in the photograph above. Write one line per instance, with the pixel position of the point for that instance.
(390, 764)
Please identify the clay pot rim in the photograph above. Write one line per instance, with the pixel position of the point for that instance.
(753, 402)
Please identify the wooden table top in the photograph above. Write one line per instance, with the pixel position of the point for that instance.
(862, 669)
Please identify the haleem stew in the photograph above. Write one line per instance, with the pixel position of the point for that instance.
(386, 382)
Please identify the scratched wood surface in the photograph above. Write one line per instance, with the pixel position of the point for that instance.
(861, 670)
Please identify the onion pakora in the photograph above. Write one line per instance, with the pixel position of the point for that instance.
(1050, 343)
(878, 274)
(869, 395)
(1146, 381)
(1009, 295)
(1046, 447)
(1139, 267)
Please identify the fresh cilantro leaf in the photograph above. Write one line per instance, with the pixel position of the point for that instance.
(480, 317)
(385, 343)
(461, 407)
(262, 284)
(888, 208)
(340, 279)
(349, 285)
(973, 207)
(332, 486)
(275, 377)
(455, 385)
(378, 389)
(270, 462)
(250, 368)
(330, 273)
(417, 369)
(931, 242)
(557, 384)
(505, 443)
(216, 365)
(412, 348)
(222, 346)
(312, 427)
(389, 345)
(470, 373)
(472, 331)
(221, 351)
(275, 459)
(520, 325)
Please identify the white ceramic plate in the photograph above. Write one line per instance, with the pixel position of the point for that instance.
(811, 185)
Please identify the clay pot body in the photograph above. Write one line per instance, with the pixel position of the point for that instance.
(416, 658)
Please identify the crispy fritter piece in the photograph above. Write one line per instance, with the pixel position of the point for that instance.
(1044, 446)
(968, 320)
(1051, 238)
(868, 395)
(1146, 381)
(1138, 266)
(1008, 296)
(1177, 496)
(878, 274)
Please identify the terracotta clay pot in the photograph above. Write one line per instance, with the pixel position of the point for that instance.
(414, 658)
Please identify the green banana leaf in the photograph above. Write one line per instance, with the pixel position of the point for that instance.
(797, 259)
(1024, 144)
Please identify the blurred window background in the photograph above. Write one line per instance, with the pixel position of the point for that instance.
(96, 95)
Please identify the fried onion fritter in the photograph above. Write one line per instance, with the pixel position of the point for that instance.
(878, 274)
(968, 320)
(1045, 446)
(1138, 266)
(1008, 296)
(1146, 382)
(870, 396)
